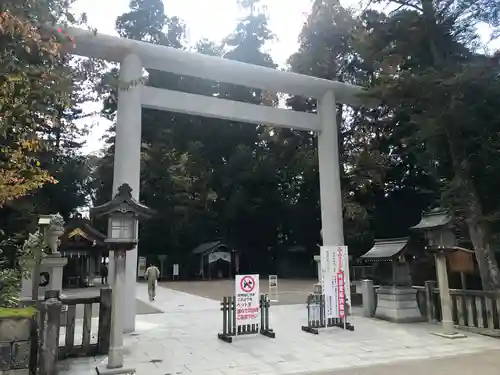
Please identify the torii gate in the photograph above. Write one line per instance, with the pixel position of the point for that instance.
(134, 55)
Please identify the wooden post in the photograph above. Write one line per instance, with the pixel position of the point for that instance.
(104, 330)
(50, 348)
(430, 286)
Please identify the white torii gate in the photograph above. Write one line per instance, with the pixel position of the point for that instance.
(134, 55)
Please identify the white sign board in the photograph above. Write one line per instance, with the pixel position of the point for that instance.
(141, 268)
(175, 270)
(273, 288)
(247, 299)
(335, 280)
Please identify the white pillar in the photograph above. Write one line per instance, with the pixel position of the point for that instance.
(329, 173)
(127, 165)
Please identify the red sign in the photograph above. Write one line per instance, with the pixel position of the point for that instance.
(247, 284)
(341, 293)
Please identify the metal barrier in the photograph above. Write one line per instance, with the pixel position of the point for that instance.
(316, 316)
(230, 327)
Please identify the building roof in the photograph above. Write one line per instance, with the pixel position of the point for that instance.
(82, 228)
(208, 246)
(433, 219)
(386, 249)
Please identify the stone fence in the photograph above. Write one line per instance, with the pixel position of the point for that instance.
(15, 345)
(472, 310)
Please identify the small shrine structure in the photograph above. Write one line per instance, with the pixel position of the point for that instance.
(84, 247)
(396, 299)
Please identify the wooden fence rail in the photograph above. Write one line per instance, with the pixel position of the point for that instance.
(473, 310)
(316, 318)
(52, 317)
(88, 349)
(230, 326)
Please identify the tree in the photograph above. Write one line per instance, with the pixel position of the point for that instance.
(41, 170)
(432, 68)
(38, 103)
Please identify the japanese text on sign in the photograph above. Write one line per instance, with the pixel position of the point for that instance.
(335, 280)
(247, 299)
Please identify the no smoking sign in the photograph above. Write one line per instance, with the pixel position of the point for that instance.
(247, 284)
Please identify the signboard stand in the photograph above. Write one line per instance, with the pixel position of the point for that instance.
(331, 308)
(316, 316)
(273, 288)
(247, 312)
(175, 271)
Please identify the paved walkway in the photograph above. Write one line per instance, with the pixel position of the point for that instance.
(485, 363)
(183, 340)
(291, 291)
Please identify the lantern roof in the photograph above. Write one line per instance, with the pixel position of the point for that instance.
(123, 202)
(433, 219)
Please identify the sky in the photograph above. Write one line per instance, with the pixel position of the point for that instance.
(205, 19)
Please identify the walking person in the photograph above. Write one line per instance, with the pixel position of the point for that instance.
(152, 275)
(104, 274)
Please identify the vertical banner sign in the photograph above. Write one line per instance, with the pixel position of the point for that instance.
(343, 280)
(335, 280)
(329, 283)
(343, 261)
(247, 299)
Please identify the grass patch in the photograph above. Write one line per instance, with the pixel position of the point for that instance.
(23, 312)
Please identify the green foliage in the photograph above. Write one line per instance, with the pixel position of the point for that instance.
(25, 312)
(16, 266)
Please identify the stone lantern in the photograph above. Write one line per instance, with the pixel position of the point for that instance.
(436, 226)
(124, 214)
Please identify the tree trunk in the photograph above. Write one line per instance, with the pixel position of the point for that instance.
(488, 266)
(478, 232)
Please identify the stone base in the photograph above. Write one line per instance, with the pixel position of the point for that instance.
(104, 370)
(398, 304)
(454, 335)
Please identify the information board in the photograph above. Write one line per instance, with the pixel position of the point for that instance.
(247, 299)
(273, 288)
(141, 267)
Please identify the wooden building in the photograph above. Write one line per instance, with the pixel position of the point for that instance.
(86, 251)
